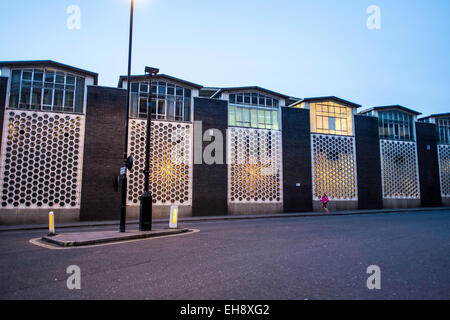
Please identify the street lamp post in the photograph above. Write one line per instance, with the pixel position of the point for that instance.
(145, 217)
(126, 160)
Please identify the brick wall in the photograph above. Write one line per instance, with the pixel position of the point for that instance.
(210, 181)
(368, 163)
(103, 152)
(296, 160)
(3, 90)
(430, 190)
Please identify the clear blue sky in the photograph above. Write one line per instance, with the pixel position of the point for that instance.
(303, 48)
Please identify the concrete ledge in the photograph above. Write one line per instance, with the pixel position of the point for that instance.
(333, 205)
(237, 209)
(37, 216)
(79, 239)
(401, 203)
(159, 212)
(89, 224)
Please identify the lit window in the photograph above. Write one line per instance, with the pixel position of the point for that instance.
(253, 110)
(331, 118)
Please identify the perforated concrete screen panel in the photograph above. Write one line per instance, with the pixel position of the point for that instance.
(254, 166)
(444, 169)
(170, 162)
(334, 167)
(41, 160)
(400, 178)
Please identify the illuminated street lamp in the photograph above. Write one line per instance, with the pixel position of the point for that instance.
(127, 161)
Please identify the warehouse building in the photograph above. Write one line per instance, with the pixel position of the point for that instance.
(214, 151)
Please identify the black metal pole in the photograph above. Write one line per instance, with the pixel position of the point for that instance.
(148, 136)
(123, 200)
(145, 217)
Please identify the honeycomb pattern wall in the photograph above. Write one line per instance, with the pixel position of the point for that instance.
(444, 169)
(334, 167)
(254, 166)
(399, 170)
(170, 162)
(41, 160)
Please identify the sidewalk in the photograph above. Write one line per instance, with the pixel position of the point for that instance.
(81, 224)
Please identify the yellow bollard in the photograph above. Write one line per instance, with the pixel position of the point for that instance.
(51, 224)
(173, 217)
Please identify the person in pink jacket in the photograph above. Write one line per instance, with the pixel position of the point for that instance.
(325, 201)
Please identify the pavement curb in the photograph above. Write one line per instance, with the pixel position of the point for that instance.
(218, 218)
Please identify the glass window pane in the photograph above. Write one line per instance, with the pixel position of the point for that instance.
(25, 97)
(331, 123)
(254, 99)
(79, 95)
(232, 98)
(239, 99)
(36, 99)
(69, 99)
(70, 79)
(254, 118)
(49, 76)
(27, 74)
(15, 88)
(246, 117)
(179, 91)
(239, 116)
(261, 122)
(38, 75)
(134, 105)
(187, 93)
(161, 109)
(60, 77)
(170, 109)
(170, 89)
(153, 108)
(262, 100)
(275, 120)
(268, 119)
(142, 107)
(58, 100)
(187, 110)
(319, 123)
(179, 111)
(247, 98)
(231, 116)
(143, 87)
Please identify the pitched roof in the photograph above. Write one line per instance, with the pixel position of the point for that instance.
(49, 63)
(436, 115)
(399, 107)
(328, 98)
(160, 77)
(254, 88)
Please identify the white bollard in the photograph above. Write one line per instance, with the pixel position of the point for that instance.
(173, 223)
(51, 224)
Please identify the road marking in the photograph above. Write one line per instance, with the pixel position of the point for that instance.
(40, 243)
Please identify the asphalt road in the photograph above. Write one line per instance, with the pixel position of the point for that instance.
(288, 258)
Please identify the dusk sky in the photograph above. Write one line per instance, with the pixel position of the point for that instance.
(301, 48)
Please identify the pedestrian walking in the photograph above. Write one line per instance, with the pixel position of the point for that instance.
(325, 201)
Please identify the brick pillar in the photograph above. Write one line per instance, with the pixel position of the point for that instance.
(430, 188)
(103, 152)
(3, 90)
(296, 160)
(370, 193)
(210, 181)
